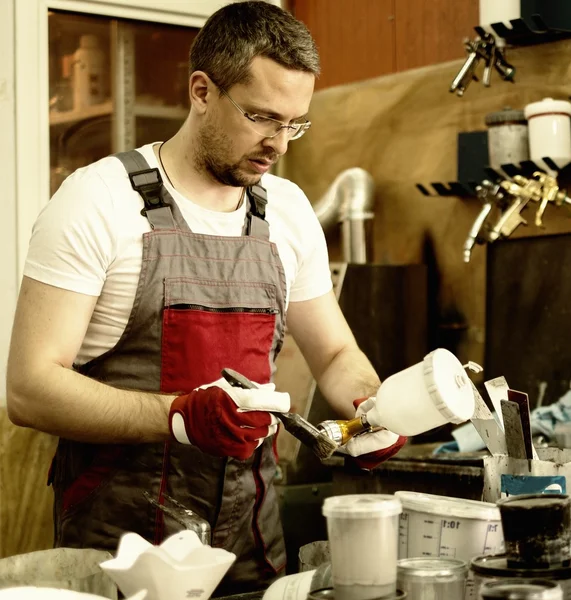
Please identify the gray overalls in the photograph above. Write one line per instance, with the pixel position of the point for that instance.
(203, 302)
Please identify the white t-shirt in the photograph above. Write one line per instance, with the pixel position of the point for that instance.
(88, 239)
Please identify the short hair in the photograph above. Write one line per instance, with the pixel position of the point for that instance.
(238, 32)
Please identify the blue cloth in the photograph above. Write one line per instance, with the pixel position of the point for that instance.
(543, 421)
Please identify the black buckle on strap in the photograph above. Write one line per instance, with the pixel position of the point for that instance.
(259, 199)
(150, 191)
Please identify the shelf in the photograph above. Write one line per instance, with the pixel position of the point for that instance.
(70, 116)
(154, 111)
(158, 111)
(467, 189)
(524, 32)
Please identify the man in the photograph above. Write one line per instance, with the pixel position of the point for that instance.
(150, 271)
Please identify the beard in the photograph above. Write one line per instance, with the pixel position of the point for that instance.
(211, 154)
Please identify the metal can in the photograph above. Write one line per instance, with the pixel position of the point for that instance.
(329, 594)
(432, 577)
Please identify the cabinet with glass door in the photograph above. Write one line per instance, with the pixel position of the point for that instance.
(114, 85)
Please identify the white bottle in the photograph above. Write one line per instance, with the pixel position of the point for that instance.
(498, 11)
(429, 394)
(549, 130)
(88, 73)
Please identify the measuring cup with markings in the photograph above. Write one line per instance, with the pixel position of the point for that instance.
(444, 526)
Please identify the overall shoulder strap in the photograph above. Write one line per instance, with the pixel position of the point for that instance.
(256, 224)
(149, 184)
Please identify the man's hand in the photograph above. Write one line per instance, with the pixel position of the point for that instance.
(371, 449)
(225, 421)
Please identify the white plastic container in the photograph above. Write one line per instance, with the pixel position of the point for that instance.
(498, 11)
(88, 73)
(432, 525)
(363, 537)
(429, 394)
(299, 585)
(549, 124)
(290, 587)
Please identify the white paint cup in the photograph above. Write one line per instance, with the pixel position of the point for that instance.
(363, 536)
(549, 127)
(429, 394)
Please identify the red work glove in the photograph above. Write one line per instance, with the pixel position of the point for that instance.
(225, 421)
(371, 449)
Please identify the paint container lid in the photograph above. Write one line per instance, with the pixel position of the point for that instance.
(361, 506)
(431, 568)
(448, 506)
(448, 385)
(547, 106)
(329, 594)
(521, 589)
(496, 565)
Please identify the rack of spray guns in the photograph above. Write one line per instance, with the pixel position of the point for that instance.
(483, 48)
(504, 201)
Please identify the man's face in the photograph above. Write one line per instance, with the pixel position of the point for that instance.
(228, 147)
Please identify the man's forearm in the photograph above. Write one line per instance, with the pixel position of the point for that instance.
(72, 406)
(350, 375)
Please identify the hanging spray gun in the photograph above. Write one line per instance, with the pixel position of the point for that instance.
(482, 49)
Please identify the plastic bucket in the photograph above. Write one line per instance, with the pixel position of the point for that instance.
(363, 532)
(63, 568)
(432, 525)
(429, 394)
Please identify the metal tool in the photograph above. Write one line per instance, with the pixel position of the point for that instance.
(515, 441)
(467, 72)
(183, 516)
(497, 389)
(543, 188)
(522, 191)
(511, 197)
(341, 431)
(485, 424)
(321, 445)
(522, 400)
(482, 49)
(490, 194)
(550, 192)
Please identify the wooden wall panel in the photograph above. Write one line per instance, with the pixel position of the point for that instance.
(356, 38)
(25, 499)
(431, 32)
(403, 129)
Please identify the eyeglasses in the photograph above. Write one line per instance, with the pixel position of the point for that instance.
(267, 126)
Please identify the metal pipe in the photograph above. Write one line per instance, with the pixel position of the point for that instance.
(350, 200)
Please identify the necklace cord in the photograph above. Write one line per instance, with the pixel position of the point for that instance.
(172, 185)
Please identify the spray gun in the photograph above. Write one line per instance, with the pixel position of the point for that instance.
(489, 193)
(543, 189)
(429, 394)
(512, 196)
(482, 49)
